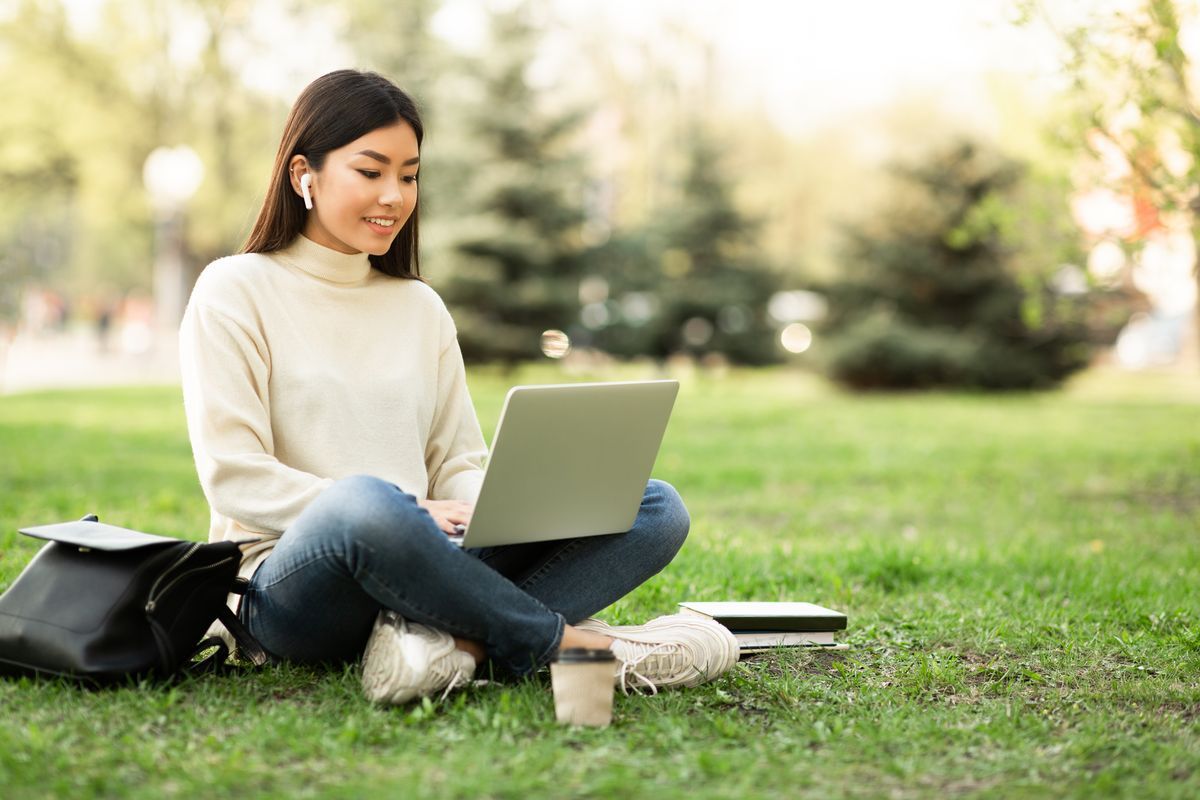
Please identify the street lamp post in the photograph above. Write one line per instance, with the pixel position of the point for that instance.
(171, 176)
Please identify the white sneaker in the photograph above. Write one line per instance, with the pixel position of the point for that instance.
(676, 650)
(404, 660)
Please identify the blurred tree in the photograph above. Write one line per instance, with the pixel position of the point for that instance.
(49, 85)
(394, 39)
(943, 290)
(692, 280)
(1133, 91)
(679, 265)
(234, 128)
(718, 285)
(514, 232)
(86, 104)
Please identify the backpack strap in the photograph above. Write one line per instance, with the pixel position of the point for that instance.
(212, 662)
(248, 646)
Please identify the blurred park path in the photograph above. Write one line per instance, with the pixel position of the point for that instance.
(76, 359)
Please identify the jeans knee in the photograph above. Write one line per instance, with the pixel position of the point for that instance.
(355, 489)
(673, 521)
(373, 512)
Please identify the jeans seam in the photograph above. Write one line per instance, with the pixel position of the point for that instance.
(247, 614)
(555, 643)
(532, 580)
(324, 555)
(402, 600)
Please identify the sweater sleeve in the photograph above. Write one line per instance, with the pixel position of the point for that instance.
(455, 451)
(225, 370)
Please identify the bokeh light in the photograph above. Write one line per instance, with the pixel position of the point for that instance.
(555, 344)
(638, 308)
(796, 338)
(697, 331)
(172, 175)
(1164, 272)
(1106, 261)
(1070, 280)
(595, 315)
(797, 305)
(593, 289)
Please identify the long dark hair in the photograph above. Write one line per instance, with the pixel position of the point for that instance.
(331, 112)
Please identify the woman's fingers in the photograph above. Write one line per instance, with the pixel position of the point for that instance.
(449, 513)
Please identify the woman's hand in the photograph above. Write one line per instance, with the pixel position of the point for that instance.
(448, 513)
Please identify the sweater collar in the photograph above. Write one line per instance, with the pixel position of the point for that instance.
(325, 263)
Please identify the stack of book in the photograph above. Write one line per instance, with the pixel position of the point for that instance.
(763, 626)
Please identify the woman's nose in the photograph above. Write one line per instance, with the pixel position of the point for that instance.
(392, 194)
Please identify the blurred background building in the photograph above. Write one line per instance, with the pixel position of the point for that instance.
(992, 194)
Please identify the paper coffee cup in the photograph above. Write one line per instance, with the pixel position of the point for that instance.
(583, 686)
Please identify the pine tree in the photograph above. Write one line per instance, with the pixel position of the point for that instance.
(935, 295)
(699, 261)
(513, 241)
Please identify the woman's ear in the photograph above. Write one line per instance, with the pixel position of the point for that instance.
(296, 167)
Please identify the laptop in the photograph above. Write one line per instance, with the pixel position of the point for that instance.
(569, 460)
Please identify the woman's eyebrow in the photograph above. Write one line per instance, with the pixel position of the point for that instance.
(385, 159)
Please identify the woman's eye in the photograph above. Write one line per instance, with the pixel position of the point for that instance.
(410, 178)
(369, 173)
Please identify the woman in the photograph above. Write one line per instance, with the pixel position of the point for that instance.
(333, 432)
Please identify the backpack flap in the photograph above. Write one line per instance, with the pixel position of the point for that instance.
(96, 536)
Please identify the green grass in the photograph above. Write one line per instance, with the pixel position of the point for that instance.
(1021, 573)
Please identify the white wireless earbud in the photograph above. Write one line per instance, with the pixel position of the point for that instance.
(305, 182)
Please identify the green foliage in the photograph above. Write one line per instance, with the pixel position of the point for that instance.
(1020, 575)
(393, 38)
(945, 289)
(39, 166)
(515, 244)
(697, 268)
(89, 105)
(1132, 96)
(1131, 88)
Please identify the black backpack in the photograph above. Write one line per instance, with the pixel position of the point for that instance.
(102, 604)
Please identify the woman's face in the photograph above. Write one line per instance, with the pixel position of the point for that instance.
(365, 191)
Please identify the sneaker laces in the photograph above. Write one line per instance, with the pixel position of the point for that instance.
(457, 680)
(667, 654)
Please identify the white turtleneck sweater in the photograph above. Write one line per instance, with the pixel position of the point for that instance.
(306, 365)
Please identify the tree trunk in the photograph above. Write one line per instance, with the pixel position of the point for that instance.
(1191, 338)
(7, 335)
(1194, 337)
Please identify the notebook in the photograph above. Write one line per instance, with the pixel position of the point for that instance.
(767, 616)
(762, 626)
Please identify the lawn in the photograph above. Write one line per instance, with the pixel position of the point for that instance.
(1021, 575)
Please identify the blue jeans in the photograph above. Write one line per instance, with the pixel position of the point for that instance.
(364, 544)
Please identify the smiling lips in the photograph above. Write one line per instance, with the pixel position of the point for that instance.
(381, 224)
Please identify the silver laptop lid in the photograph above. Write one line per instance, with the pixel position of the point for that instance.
(570, 460)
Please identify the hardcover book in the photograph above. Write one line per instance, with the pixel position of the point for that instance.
(747, 617)
(769, 639)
